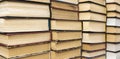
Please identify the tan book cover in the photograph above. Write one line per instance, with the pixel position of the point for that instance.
(101, 57)
(22, 9)
(69, 1)
(66, 25)
(63, 14)
(102, 2)
(65, 45)
(24, 38)
(66, 54)
(46, 1)
(92, 7)
(94, 26)
(23, 25)
(92, 47)
(24, 50)
(93, 37)
(111, 1)
(113, 30)
(64, 6)
(115, 7)
(56, 35)
(113, 14)
(92, 16)
(113, 38)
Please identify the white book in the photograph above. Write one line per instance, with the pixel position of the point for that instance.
(113, 47)
(111, 55)
(113, 22)
(111, 1)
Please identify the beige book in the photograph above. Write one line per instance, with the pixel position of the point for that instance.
(23, 25)
(64, 6)
(92, 47)
(70, 1)
(93, 54)
(113, 38)
(56, 35)
(102, 2)
(113, 30)
(22, 9)
(114, 7)
(101, 57)
(94, 26)
(63, 14)
(66, 25)
(46, 1)
(111, 1)
(24, 50)
(113, 14)
(93, 37)
(65, 45)
(66, 54)
(92, 16)
(24, 38)
(92, 7)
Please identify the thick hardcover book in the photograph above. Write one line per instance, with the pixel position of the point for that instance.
(19, 51)
(102, 2)
(69, 1)
(66, 54)
(113, 47)
(57, 45)
(113, 14)
(24, 38)
(113, 38)
(115, 7)
(92, 7)
(113, 22)
(66, 25)
(91, 16)
(23, 9)
(62, 35)
(23, 25)
(111, 55)
(93, 37)
(94, 26)
(113, 29)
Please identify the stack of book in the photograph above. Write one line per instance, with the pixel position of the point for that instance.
(66, 30)
(93, 17)
(24, 30)
(113, 29)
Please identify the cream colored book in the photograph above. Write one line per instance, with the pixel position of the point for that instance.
(64, 15)
(111, 1)
(93, 54)
(101, 57)
(64, 6)
(24, 38)
(113, 38)
(113, 30)
(92, 16)
(115, 7)
(111, 55)
(22, 9)
(66, 54)
(46, 1)
(92, 47)
(94, 26)
(24, 50)
(113, 47)
(66, 25)
(23, 25)
(113, 22)
(65, 45)
(58, 35)
(113, 14)
(93, 37)
(92, 7)
(69, 1)
(102, 2)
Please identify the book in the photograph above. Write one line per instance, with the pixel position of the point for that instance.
(61, 45)
(92, 16)
(93, 37)
(64, 14)
(45, 1)
(113, 38)
(113, 14)
(66, 25)
(23, 25)
(113, 22)
(113, 29)
(113, 47)
(98, 57)
(68, 35)
(111, 55)
(69, 1)
(102, 2)
(93, 47)
(24, 38)
(94, 26)
(92, 7)
(115, 7)
(66, 54)
(65, 6)
(22, 50)
(111, 1)
(23, 9)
